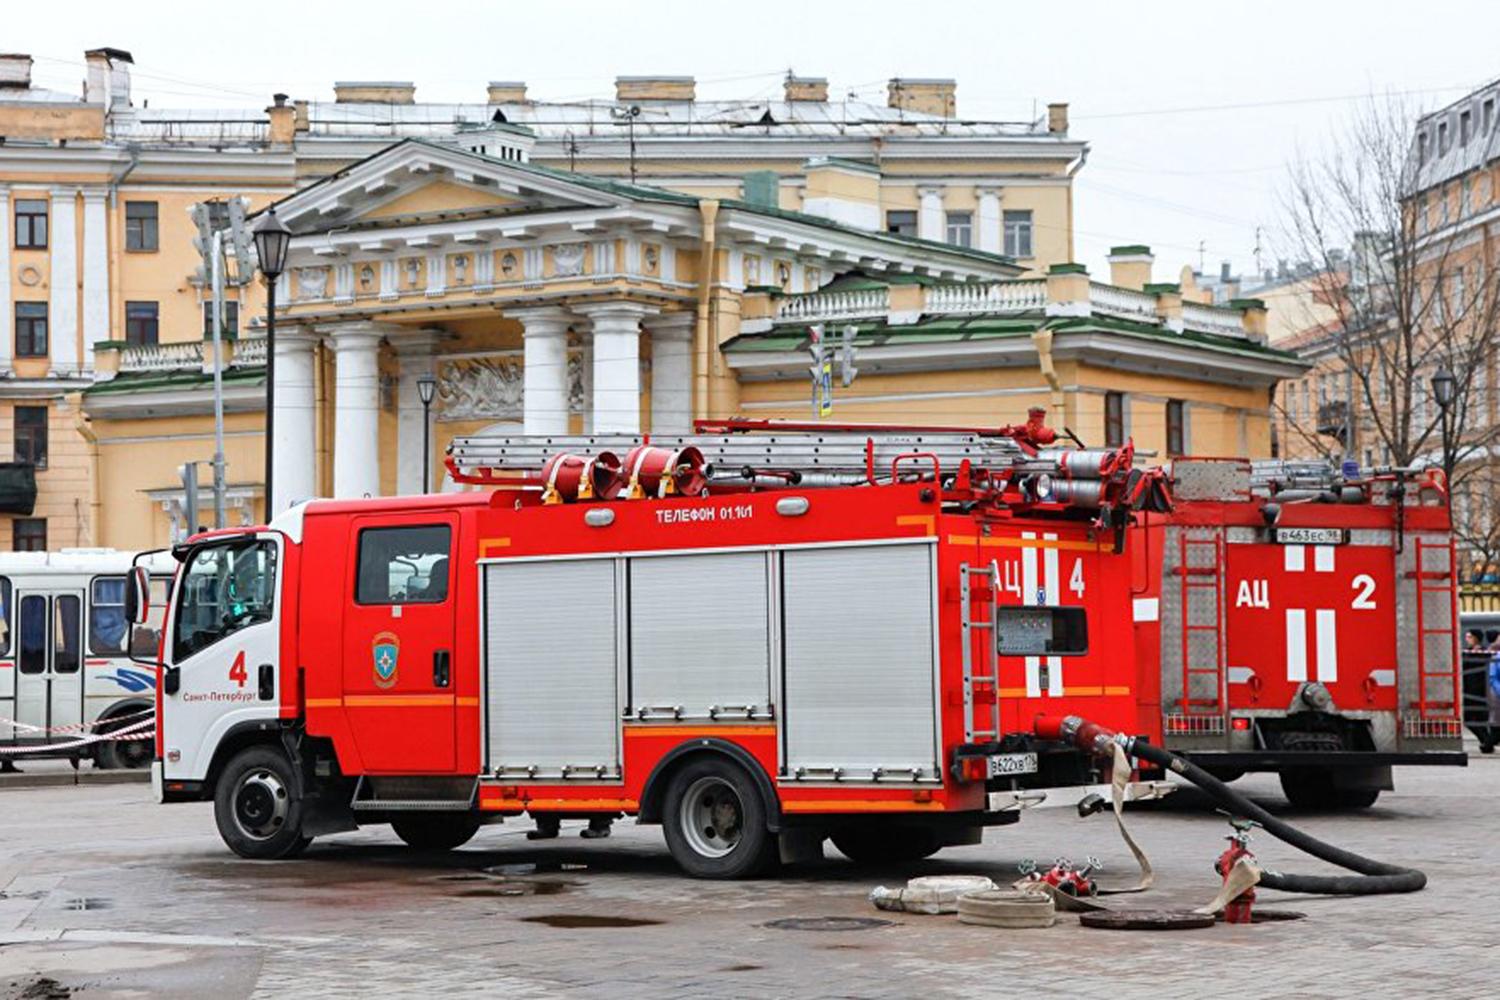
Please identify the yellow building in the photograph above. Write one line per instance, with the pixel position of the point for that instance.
(500, 247)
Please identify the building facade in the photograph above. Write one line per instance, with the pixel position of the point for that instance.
(607, 265)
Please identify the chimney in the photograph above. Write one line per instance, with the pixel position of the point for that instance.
(1057, 119)
(15, 71)
(507, 92)
(108, 81)
(655, 88)
(1130, 266)
(301, 119)
(374, 92)
(1224, 275)
(807, 88)
(846, 191)
(924, 96)
(283, 120)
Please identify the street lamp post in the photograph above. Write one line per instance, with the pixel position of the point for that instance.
(426, 389)
(272, 240)
(1442, 390)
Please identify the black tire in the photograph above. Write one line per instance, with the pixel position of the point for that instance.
(715, 822)
(885, 845)
(436, 831)
(1314, 788)
(256, 805)
(1486, 748)
(123, 755)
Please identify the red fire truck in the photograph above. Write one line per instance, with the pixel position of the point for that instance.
(1300, 618)
(759, 639)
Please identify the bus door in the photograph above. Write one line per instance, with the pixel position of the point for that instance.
(49, 658)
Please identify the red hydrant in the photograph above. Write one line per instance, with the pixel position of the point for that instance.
(1237, 910)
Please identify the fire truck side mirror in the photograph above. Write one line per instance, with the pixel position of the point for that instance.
(137, 595)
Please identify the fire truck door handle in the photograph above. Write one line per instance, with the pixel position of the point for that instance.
(267, 682)
(440, 668)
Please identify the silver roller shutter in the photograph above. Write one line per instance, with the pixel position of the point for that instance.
(859, 674)
(551, 681)
(700, 636)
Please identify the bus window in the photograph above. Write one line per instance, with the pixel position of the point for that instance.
(4, 616)
(33, 628)
(107, 625)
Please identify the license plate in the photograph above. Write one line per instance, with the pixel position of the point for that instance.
(1311, 536)
(1002, 764)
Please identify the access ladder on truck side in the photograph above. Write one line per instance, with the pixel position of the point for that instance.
(1436, 599)
(978, 587)
(1201, 566)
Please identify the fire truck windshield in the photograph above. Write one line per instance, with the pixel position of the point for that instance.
(224, 588)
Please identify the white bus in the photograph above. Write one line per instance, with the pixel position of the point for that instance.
(65, 671)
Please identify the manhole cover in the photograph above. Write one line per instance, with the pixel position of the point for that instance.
(1146, 920)
(827, 923)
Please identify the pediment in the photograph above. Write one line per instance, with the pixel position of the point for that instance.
(415, 182)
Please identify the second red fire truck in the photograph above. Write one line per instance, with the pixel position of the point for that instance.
(759, 637)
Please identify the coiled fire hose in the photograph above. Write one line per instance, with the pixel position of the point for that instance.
(1373, 878)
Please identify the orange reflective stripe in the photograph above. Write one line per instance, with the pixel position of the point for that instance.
(397, 700)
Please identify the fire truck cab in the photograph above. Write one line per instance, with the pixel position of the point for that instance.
(850, 644)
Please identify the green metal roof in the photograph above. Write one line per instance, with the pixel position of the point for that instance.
(128, 382)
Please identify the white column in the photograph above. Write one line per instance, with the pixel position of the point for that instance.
(930, 214)
(544, 395)
(7, 308)
(989, 220)
(294, 458)
(414, 352)
(672, 373)
(95, 274)
(62, 311)
(356, 409)
(617, 366)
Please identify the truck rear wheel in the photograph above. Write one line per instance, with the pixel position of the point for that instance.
(1315, 788)
(256, 806)
(715, 822)
(436, 831)
(883, 845)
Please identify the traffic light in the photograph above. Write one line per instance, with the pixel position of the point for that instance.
(847, 371)
(203, 242)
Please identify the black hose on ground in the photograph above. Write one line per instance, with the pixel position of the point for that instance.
(1373, 878)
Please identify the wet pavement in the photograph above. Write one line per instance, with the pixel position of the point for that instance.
(105, 894)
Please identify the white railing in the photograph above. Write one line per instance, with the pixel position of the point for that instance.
(862, 303)
(1125, 302)
(249, 351)
(1211, 319)
(987, 296)
(162, 357)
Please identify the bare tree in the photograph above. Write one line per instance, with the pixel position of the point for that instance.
(1399, 289)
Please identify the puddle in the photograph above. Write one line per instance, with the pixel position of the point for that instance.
(588, 920)
(88, 903)
(22, 895)
(539, 867)
(41, 988)
(827, 923)
(518, 887)
(741, 968)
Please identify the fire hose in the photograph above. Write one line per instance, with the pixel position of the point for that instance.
(1372, 878)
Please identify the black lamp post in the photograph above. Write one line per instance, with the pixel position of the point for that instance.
(426, 389)
(1442, 390)
(272, 240)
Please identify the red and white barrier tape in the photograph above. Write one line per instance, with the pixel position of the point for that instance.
(134, 731)
(77, 727)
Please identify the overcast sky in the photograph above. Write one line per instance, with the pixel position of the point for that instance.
(1192, 110)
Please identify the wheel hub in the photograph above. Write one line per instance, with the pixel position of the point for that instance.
(260, 804)
(712, 817)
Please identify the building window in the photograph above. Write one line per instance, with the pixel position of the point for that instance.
(31, 329)
(140, 322)
(231, 326)
(1487, 119)
(1018, 233)
(1442, 138)
(1421, 148)
(1114, 419)
(961, 228)
(31, 435)
(1466, 198)
(1176, 427)
(140, 226)
(902, 223)
(31, 224)
(1465, 122)
(29, 534)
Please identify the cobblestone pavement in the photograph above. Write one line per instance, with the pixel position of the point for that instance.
(111, 895)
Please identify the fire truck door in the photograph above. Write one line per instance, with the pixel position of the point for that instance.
(49, 682)
(398, 642)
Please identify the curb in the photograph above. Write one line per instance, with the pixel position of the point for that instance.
(53, 779)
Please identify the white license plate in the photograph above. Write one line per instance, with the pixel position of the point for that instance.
(1002, 764)
(1310, 536)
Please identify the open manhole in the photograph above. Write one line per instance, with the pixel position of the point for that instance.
(827, 923)
(1146, 920)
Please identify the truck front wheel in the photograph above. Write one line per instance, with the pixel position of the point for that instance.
(257, 808)
(436, 831)
(715, 822)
